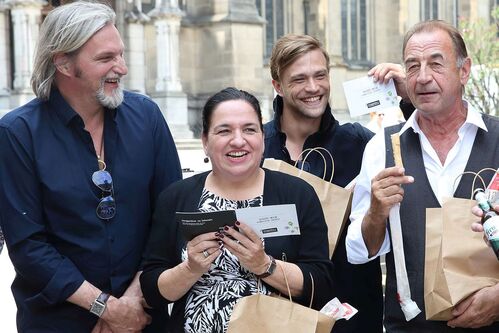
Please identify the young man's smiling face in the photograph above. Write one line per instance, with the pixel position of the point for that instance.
(304, 85)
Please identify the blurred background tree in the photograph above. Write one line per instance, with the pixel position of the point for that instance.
(482, 40)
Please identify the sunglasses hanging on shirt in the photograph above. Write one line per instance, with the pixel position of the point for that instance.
(106, 209)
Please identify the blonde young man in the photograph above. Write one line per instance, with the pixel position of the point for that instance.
(302, 119)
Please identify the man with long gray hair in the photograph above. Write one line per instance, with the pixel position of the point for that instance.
(81, 166)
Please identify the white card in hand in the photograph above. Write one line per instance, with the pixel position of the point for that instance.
(364, 95)
(271, 221)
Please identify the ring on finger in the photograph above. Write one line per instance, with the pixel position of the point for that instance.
(206, 254)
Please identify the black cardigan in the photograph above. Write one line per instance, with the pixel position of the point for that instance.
(309, 251)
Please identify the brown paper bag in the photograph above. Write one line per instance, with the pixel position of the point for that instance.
(457, 261)
(270, 314)
(335, 200)
(267, 314)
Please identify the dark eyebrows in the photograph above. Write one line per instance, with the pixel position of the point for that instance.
(433, 56)
(224, 126)
(409, 60)
(221, 126)
(297, 77)
(437, 56)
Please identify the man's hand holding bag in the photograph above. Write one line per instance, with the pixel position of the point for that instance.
(457, 261)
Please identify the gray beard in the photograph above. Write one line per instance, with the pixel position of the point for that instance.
(112, 101)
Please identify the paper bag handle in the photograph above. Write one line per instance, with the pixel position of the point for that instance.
(289, 290)
(313, 290)
(318, 150)
(477, 175)
(287, 285)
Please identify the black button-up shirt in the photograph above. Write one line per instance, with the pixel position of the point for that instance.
(48, 203)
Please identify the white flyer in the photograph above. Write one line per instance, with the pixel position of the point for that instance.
(271, 221)
(364, 95)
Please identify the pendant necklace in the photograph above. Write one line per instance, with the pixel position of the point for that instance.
(100, 159)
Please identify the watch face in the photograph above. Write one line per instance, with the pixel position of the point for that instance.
(97, 308)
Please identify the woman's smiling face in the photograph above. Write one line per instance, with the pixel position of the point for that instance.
(234, 142)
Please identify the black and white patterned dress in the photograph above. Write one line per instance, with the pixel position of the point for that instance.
(211, 300)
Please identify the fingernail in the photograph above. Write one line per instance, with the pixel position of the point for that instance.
(226, 228)
(221, 236)
(217, 234)
(238, 223)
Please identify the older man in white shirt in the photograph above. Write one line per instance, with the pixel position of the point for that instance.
(443, 138)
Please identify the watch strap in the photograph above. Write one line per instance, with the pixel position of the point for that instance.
(103, 297)
(270, 269)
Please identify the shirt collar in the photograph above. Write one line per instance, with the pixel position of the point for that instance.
(473, 118)
(61, 107)
(65, 112)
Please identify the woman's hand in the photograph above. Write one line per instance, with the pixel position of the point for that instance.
(247, 246)
(202, 250)
(175, 282)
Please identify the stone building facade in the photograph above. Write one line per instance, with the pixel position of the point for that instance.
(179, 52)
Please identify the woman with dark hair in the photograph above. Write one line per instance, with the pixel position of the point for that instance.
(206, 276)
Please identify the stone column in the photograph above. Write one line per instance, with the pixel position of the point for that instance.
(135, 50)
(26, 15)
(168, 89)
(5, 77)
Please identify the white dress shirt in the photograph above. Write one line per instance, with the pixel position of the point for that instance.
(443, 178)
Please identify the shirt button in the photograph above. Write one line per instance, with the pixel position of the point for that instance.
(111, 239)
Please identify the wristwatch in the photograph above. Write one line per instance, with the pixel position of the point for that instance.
(99, 305)
(270, 269)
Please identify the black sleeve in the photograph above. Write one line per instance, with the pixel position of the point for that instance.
(362, 133)
(313, 255)
(162, 250)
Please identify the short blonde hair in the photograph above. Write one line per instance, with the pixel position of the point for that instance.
(290, 47)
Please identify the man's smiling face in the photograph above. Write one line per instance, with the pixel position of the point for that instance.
(304, 85)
